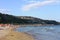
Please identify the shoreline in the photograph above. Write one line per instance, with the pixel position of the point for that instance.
(17, 36)
(35, 25)
(10, 34)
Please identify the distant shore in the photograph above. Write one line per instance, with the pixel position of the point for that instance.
(35, 25)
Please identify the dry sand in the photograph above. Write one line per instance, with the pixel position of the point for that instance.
(3, 33)
(12, 35)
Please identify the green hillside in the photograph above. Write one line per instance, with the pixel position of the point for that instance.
(10, 19)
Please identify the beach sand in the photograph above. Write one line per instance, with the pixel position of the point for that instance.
(13, 35)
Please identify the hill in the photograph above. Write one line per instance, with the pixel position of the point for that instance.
(34, 20)
(5, 18)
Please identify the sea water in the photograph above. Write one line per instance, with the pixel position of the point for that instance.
(42, 32)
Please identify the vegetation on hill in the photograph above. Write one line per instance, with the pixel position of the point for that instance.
(5, 18)
(10, 19)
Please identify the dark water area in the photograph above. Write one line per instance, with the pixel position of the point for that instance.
(42, 32)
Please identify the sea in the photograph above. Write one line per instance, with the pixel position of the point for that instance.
(42, 32)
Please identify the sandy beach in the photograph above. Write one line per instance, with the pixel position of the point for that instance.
(9, 34)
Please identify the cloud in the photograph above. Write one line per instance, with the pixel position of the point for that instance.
(7, 11)
(37, 4)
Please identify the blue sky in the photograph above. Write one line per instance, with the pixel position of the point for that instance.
(44, 9)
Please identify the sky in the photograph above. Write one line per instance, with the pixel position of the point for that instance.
(44, 9)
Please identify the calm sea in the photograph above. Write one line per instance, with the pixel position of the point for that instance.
(42, 32)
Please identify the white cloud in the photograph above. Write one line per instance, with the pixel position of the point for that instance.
(7, 11)
(37, 4)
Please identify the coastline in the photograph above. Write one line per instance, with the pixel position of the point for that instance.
(35, 25)
(10, 34)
